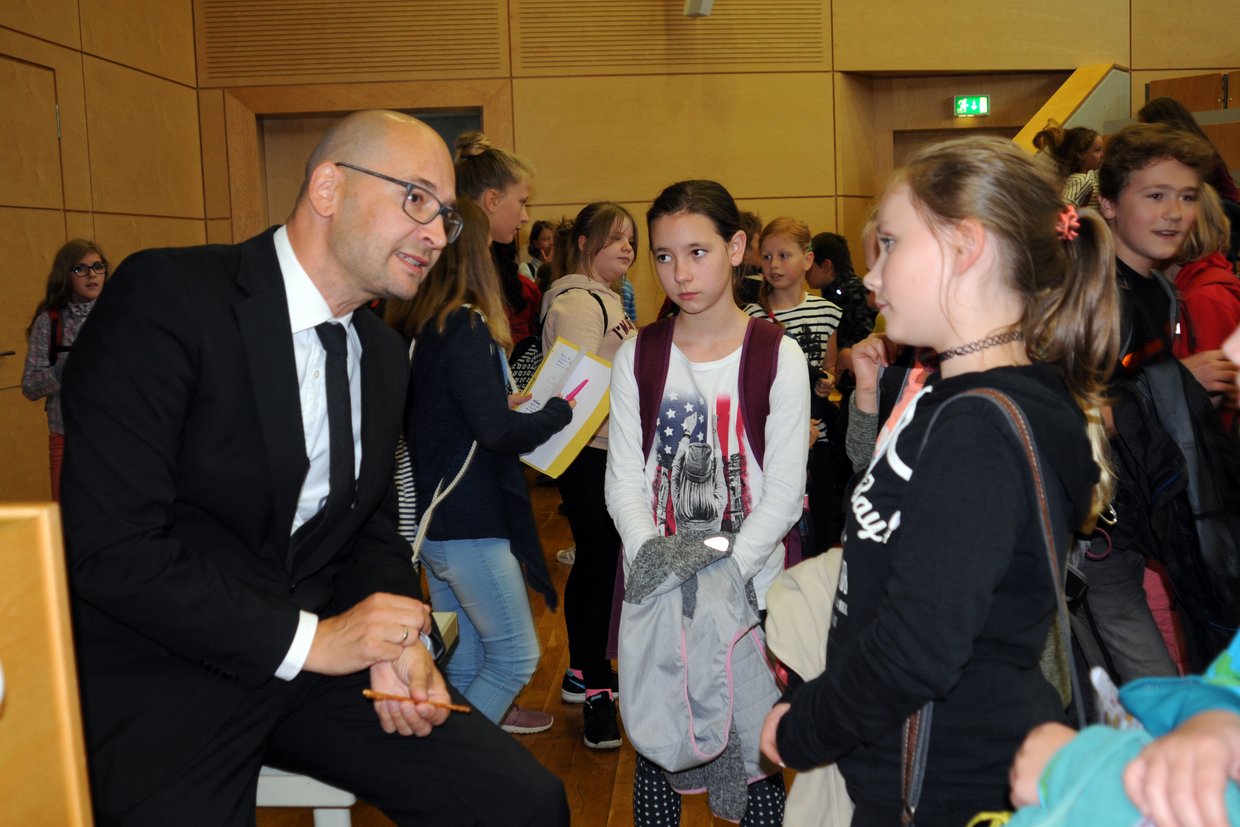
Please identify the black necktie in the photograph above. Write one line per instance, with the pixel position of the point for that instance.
(341, 481)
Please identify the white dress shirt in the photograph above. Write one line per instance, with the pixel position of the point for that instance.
(306, 309)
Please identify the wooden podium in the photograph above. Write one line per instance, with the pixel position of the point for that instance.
(43, 760)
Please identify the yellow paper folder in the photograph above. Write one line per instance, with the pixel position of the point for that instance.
(568, 369)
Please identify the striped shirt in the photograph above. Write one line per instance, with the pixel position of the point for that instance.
(810, 324)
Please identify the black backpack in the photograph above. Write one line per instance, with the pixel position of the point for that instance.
(1178, 499)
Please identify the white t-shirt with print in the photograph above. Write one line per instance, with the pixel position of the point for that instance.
(701, 473)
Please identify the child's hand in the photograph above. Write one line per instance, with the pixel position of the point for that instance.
(1179, 779)
(1040, 745)
(868, 355)
(515, 399)
(767, 739)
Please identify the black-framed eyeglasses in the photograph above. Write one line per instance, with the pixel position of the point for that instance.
(419, 203)
(99, 268)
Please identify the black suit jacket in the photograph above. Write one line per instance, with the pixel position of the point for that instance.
(185, 462)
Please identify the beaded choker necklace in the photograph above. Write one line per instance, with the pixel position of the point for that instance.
(981, 344)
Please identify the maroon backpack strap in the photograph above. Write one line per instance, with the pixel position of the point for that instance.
(650, 361)
(759, 361)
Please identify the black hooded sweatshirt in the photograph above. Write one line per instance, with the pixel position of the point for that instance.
(946, 594)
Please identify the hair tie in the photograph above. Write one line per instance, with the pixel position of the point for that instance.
(1069, 224)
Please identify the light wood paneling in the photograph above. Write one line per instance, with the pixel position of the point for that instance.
(912, 35)
(70, 94)
(567, 37)
(1197, 35)
(294, 41)
(855, 128)
(28, 133)
(41, 748)
(55, 20)
(493, 96)
(156, 36)
(219, 231)
(24, 474)
(923, 103)
(144, 150)
(245, 169)
(1198, 93)
(628, 137)
(80, 225)
(27, 245)
(287, 144)
(214, 153)
(851, 214)
(120, 235)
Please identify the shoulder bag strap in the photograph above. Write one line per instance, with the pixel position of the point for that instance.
(917, 727)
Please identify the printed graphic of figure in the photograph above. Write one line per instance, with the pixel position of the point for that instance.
(699, 492)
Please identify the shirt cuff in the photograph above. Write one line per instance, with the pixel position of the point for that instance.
(299, 650)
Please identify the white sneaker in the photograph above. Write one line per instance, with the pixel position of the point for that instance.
(567, 556)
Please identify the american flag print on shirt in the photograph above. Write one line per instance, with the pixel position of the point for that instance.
(700, 480)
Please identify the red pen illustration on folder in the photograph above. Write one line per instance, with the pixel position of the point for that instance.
(573, 393)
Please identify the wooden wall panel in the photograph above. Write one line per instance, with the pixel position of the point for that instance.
(27, 245)
(144, 146)
(317, 41)
(855, 130)
(219, 231)
(967, 35)
(214, 136)
(80, 225)
(156, 36)
(1196, 35)
(628, 137)
(851, 215)
(24, 474)
(121, 235)
(28, 133)
(55, 20)
(565, 37)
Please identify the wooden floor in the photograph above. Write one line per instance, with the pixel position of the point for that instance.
(599, 783)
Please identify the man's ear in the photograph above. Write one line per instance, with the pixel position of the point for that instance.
(323, 189)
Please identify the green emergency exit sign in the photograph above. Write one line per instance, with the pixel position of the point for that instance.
(971, 106)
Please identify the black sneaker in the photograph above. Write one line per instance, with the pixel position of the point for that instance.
(572, 689)
(601, 729)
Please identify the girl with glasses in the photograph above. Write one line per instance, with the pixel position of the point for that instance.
(77, 275)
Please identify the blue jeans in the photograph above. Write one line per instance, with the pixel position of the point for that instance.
(497, 650)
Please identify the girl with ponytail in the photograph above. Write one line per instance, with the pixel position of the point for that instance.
(945, 594)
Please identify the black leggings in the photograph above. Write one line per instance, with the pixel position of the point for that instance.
(588, 593)
(656, 804)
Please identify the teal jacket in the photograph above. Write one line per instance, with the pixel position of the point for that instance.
(1083, 782)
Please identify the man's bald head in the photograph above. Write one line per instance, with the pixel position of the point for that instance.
(361, 137)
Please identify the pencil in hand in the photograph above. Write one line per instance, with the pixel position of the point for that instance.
(383, 696)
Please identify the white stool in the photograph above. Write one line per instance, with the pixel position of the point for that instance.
(277, 788)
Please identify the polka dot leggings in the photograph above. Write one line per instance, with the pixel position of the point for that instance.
(656, 804)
